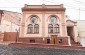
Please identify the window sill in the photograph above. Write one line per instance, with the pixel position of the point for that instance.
(54, 33)
(32, 33)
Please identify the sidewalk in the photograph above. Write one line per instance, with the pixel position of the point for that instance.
(6, 42)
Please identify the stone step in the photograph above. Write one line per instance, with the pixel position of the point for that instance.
(47, 45)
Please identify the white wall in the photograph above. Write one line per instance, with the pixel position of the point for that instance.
(7, 26)
(81, 31)
(81, 25)
(10, 21)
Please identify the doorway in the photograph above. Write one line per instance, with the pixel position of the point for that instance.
(53, 39)
(70, 33)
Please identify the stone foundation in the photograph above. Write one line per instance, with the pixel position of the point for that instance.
(60, 40)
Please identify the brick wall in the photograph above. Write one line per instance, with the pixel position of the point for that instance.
(10, 36)
(60, 40)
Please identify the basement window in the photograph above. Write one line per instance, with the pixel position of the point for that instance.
(32, 41)
(60, 40)
(48, 41)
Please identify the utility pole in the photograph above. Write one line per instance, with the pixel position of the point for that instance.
(43, 1)
(79, 14)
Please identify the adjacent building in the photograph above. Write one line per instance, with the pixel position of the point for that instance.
(9, 21)
(9, 24)
(81, 31)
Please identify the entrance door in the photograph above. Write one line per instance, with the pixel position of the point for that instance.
(54, 39)
(70, 33)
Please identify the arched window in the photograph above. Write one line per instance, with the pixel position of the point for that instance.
(30, 28)
(36, 28)
(53, 19)
(34, 19)
(33, 27)
(50, 28)
(56, 28)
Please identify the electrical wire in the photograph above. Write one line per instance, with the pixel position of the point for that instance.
(67, 6)
(79, 1)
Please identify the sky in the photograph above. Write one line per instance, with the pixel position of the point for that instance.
(75, 9)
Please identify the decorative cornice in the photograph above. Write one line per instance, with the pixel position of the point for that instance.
(43, 7)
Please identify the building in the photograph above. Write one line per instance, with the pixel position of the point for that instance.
(47, 24)
(81, 31)
(9, 24)
(9, 21)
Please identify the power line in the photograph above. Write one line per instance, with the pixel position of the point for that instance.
(50, 1)
(79, 1)
(10, 7)
(10, 2)
(68, 6)
(71, 7)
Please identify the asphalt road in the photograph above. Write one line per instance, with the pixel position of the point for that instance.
(20, 50)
